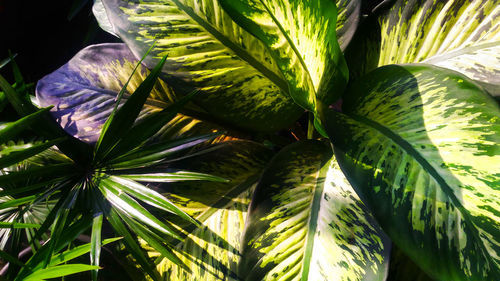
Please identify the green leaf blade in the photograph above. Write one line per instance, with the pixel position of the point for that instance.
(302, 38)
(425, 140)
(59, 271)
(306, 222)
(118, 125)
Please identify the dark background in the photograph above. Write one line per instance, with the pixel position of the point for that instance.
(46, 34)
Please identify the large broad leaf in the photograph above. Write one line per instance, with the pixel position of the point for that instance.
(422, 145)
(241, 84)
(211, 251)
(307, 223)
(463, 35)
(301, 36)
(84, 92)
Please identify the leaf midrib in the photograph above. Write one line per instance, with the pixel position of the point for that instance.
(313, 222)
(242, 54)
(429, 169)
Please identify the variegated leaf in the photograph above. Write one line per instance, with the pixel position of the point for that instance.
(422, 145)
(307, 223)
(301, 36)
(463, 35)
(349, 12)
(212, 251)
(84, 92)
(241, 84)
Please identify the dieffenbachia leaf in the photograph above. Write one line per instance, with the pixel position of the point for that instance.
(422, 145)
(239, 80)
(84, 92)
(463, 35)
(307, 223)
(211, 251)
(301, 36)
(349, 12)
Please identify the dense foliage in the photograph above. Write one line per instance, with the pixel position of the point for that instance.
(261, 140)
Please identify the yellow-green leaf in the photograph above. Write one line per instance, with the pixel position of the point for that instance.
(422, 145)
(463, 35)
(239, 79)
(211, 251)
(301, 36)
(306, 222)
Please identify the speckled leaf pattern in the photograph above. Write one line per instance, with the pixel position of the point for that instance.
(84, 91)
(206, 50)
(422, 145)
(307, 223)
(349, 12)
(463, 35)
(301, 36)
(212, 251)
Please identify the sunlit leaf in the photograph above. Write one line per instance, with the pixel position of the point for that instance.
(84, 92)
(463, 35)
(422, 146)
(306, 222)
(240, 83)
(211, 250)
(301, 37)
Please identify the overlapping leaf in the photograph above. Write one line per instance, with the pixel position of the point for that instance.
(301, 36)
(425, 141)
(307, 223)
(211, 250)
(84, 92)
(463, 35)
(349, 13)
(206, 50)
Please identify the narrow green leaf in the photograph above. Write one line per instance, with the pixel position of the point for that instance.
(131, 244)
(34, 188)
(17, 225)
(154, 240)
(301, 36)
(119, 124)
(9, 130)
(156, 153)
(38, 260)
(16, 202)
(127, 205)
(421, 144)
(14, 177)
(173, 176)
(147, 127)
(147, 195)
(60, 222)
(59, 271)
(18, 156)
(95, 244)
(76, 252)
